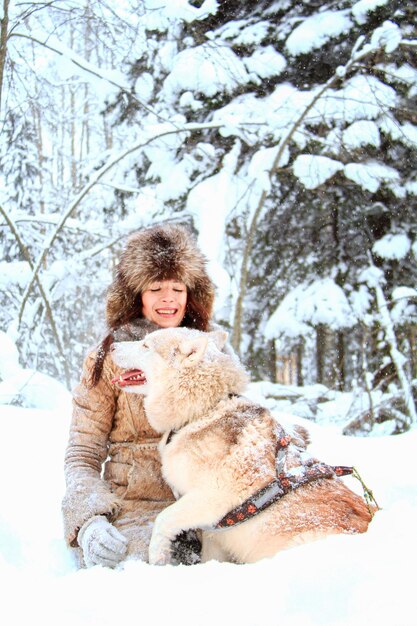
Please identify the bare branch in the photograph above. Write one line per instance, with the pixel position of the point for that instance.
(4, 25)
(42, 291)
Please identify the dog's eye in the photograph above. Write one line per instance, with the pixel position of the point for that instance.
(145, 345)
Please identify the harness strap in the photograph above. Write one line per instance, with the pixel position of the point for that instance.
(276, 489)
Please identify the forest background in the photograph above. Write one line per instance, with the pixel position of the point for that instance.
(284, 133)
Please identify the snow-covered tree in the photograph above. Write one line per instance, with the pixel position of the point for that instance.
(283, 131)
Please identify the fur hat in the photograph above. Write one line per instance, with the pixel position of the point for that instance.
(167, 251)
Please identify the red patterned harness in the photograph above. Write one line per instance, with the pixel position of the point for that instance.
(281, 485)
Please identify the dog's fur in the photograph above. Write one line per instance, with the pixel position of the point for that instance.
(221, 450)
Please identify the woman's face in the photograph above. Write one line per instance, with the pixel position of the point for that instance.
(164, 302)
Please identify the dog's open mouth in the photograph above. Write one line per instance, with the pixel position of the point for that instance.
(130, 377)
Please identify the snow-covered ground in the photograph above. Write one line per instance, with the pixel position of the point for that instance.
(341, 581)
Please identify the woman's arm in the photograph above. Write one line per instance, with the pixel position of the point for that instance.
(87, 494)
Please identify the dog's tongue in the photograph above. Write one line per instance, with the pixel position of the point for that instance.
(131, 377)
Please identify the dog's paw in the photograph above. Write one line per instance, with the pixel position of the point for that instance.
(159, 550)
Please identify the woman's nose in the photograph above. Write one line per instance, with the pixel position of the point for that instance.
(168, 295)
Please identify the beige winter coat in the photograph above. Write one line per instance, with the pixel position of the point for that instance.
(109, 427)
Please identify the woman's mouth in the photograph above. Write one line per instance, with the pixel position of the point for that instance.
(167, 312)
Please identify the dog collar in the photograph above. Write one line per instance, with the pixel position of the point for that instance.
(170, 436)
(174, 432)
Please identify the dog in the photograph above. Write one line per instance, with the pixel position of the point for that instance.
(218, 448)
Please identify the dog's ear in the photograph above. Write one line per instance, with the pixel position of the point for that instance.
(193, 349)
(219, 337)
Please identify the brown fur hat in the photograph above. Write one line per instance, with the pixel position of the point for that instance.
(166, 251)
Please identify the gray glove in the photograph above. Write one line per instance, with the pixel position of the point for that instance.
(101, 542)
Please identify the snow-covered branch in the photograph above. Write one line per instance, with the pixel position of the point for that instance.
(42, 291)
(52, 219)
(397, 357)
(409, 43)
(110, 76)
(160, 130)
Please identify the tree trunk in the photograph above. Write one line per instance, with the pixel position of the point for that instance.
(300, 377)
(320, 352)
(37, 122)
(340, 360)
(396, 356)
(85, 128)
(4, 25)
(412, 332)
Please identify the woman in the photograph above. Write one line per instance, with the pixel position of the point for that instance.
(161, 281)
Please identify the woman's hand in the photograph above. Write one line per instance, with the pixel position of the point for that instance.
(101, 542)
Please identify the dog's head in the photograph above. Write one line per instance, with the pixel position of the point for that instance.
(166, 349)
(184, 373)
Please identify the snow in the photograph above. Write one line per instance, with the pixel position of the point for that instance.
(342, 581)
(360, 301)
(393, 246)
(339, 581)
(313, 170)
(404, 309)
(26, 386)
(361, 9)
(387, 36)
(321, 302)
(266, 62)
(62, 62)
(208, 69)
(371, 174)
(404, 73)
(159, 13)
(361, 133)
(361, 97)
(144, 86)
(372, 276)
(210, 202)
(317, 30)
(253, 34)
(14, 272)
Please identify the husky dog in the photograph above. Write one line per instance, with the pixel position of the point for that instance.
(218, 449)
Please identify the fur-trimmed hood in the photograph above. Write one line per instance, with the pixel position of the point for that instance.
(167, 251)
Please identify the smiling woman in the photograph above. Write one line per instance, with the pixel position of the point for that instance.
(164, 303)
(161, 281)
